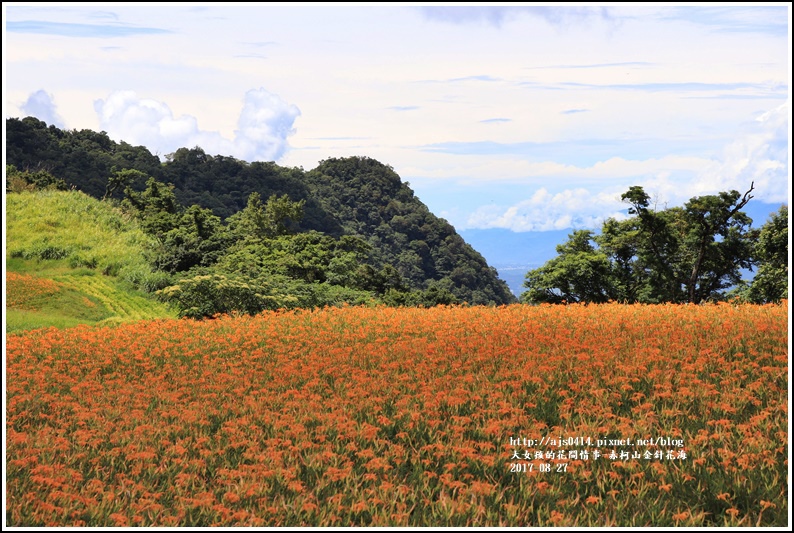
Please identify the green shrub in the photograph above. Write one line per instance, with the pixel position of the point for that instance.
(207, 295)
(143, 278)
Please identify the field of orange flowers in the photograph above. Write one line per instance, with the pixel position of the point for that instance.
(24, 290)
(451, 416)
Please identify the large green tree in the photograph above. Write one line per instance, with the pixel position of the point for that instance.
(770, 283)
(197, 239)
(186, 237)
(682, 254)
(156, 207)
(580, 273)
(261, 220)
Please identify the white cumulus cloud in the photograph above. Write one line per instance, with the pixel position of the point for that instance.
(546, 211)
(759, 154)
(265, 123)
(41, 105)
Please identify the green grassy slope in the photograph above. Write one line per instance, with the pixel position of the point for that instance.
(92, 253)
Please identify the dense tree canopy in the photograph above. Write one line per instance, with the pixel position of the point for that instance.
(771, 281)
(374, 204)
(580, 273)
(686, 254)
(17, 181)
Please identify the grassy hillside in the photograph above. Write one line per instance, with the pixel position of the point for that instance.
(71, 259)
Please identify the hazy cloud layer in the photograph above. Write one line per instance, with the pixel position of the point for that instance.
(596, 65)
(770, 90)
(580, 153)
(735, 19)
(66, 29)
(758, 155)
(497, 15)
(265, 123)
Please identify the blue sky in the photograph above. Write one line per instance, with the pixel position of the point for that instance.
(526, 117)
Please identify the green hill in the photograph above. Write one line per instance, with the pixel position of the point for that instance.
(371, 201)
(346, 197)
(72, 259)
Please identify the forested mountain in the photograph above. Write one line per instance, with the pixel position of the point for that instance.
(356, 217)
(370, 200)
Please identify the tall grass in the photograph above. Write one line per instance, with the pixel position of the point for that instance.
(89, 249)
(72, 226)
